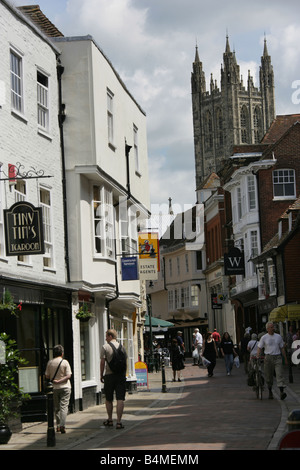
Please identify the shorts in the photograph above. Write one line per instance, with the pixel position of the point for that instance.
(115, 383)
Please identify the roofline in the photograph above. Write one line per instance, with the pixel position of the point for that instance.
(30, 24)
(90, 38)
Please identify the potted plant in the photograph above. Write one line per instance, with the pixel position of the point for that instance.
(11, 396)
(84, 313)
(7, 303)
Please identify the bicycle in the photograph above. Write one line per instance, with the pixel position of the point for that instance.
(258, 376)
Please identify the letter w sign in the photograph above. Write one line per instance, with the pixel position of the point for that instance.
(234, 262)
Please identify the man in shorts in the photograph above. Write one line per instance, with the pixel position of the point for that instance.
(274, 350)
(112, 382)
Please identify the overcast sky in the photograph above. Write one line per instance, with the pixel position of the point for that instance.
(151, 44)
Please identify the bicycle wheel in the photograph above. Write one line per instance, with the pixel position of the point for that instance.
(260, 385)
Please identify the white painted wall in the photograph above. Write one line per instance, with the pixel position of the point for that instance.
(22, 141)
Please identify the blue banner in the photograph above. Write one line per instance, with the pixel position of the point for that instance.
(129, 268)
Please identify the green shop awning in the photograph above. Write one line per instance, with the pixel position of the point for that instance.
(157, 322)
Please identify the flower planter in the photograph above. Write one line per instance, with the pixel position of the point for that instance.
(5, 434)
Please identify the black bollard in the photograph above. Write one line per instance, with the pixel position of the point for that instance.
(163, 374)
(50, 415)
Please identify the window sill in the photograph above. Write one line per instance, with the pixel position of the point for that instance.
(25, 264)
(49, 270)
(89, 383)
(284, 198)
(19, 116)
(44, 133)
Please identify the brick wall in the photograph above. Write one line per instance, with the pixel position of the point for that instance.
(287, 154)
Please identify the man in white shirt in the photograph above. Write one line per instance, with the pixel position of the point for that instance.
(273, 346)
(198, 343)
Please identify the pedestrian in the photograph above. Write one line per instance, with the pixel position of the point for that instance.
(244, 351)
(227, 351)
(176, 360)
(252, 346)
(252, 350)
(216, 336)
(180, 340)
(113, 381)
(195, 354)
(210, 352)
(274, 350)
(58, 371)
(198, 344)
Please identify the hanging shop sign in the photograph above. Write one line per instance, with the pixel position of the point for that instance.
(23, 229)
(215, 304)
(129, 268)
(234, 262)
(148, 255)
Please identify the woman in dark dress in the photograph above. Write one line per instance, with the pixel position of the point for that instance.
(210, 352)
(177, 359)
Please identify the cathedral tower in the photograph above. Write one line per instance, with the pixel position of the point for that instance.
(232, 115)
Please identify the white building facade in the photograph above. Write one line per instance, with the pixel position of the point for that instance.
(106, 161)
(31, 176)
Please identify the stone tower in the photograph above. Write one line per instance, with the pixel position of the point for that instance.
(232, 115)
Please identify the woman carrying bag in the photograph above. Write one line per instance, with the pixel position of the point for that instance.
(210, 353)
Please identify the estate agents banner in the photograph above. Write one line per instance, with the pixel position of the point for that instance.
(148, 255)
(24, 229)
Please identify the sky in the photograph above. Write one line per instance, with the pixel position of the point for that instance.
(151, 44)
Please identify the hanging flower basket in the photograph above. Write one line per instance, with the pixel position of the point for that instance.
(7, 303)
(84, 314)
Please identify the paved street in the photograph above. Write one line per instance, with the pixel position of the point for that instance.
(200, 413)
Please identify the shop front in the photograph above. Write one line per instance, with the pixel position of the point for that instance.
(42, 320)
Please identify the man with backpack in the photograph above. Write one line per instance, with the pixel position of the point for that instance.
(113, 360)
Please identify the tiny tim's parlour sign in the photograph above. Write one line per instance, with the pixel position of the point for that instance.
(24, 229)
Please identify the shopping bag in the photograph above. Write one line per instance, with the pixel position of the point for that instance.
(205, 362)
(195, 354)
(236, 361)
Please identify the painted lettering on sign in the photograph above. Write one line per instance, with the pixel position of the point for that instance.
(23, 229)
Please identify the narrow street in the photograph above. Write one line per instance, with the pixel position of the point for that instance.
(199, 413)
(218, 413)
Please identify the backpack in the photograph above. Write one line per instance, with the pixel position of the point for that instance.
(118, 362)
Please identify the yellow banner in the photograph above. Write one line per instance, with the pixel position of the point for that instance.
(149, 246)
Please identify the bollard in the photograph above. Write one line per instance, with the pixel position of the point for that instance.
(50, 415)
(293, 421)
(163, 374)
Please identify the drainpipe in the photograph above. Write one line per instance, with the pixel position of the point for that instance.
(61, 119)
